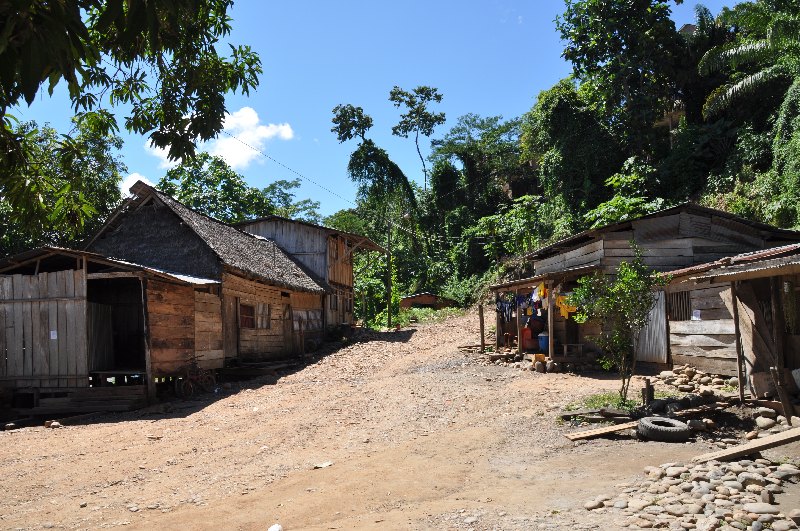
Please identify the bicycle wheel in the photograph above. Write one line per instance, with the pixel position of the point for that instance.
(207, 382)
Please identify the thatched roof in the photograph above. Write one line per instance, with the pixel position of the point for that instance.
(254, 256)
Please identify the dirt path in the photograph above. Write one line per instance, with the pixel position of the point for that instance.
(419, 435)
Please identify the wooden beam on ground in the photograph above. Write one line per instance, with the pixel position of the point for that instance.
(751, 447)
(588, 434)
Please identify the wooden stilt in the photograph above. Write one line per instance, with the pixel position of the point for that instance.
(480, 320)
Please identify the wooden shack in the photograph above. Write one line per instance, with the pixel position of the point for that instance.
(426, 300)
(73, 322)
(160, 289)
(740, 316)
(671, 239)
(327, 253)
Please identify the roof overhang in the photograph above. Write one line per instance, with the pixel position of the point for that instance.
(763, 269)
(42, 253)
(565, 274)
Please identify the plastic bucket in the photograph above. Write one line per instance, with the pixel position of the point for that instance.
(544, 342)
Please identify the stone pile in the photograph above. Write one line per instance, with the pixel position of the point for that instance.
(769, 422)
(525, 362)
(709, 496)
(687, 379)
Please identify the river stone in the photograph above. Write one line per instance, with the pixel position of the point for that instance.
(593, 504)
(707, 524)
(748, 478)
(765, 423)
(761, 508)
(767, 412)
(782, 525)
(675, 471)
(637, 505)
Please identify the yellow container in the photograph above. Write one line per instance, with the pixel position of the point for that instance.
(539, 357)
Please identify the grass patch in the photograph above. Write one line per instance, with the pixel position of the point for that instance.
(602, 400)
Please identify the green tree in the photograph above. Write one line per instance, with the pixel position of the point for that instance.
(158, 60)
(571, 149)
(418, 119)
(621, 304)
(630, 196)
(625, 50)
(207, 184)
(85, 169)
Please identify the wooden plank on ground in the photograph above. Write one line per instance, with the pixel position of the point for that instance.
(588, 434)
(771, 441)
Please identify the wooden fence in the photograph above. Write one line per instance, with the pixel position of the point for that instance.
(43, 339)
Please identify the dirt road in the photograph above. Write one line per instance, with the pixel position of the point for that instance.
(415, 435)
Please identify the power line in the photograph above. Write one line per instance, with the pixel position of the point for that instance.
(312, 181)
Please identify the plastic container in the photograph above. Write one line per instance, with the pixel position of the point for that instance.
(528, 342)
(544, 341)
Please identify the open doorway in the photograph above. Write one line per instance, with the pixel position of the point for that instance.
(115, 325)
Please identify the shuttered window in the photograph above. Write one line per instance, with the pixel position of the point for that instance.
(679, 306)
(247, 316)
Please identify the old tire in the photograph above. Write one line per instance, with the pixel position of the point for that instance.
(663, 429)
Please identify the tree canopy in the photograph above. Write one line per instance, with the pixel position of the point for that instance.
(158, 60)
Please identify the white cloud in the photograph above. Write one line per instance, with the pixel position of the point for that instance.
(162, 154)
(244, 129)
(130, 180)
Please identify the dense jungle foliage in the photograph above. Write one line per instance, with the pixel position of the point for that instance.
(652, 116)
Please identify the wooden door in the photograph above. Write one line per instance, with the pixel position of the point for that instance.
(651, 346)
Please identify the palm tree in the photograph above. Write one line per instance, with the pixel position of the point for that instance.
(775, 54)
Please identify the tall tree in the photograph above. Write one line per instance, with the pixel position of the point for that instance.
(417, 119)
(625, 51)
(378, 177)
(157, 59)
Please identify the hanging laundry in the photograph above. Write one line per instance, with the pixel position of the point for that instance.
(506, 310)
(563, 307)
(542, 291)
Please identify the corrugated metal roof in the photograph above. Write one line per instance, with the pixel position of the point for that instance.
(739, 259)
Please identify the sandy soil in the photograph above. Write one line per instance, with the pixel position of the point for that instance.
(420, 436)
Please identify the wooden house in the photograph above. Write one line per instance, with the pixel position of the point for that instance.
(161, 289)
(740, 316)
(671, 239)
(426, 300)
(325, 252)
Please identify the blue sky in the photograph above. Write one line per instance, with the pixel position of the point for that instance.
(489, 57)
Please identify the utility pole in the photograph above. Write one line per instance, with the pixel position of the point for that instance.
(389, 274)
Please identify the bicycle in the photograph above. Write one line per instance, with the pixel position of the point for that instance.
(192, 379)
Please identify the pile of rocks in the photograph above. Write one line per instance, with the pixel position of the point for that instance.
(769, 422)
(526, 362)
(690, 380)
(708, 496)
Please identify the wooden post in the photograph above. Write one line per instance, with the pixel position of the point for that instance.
(151, 385)
(480, 320)
(738, 337)
(389, 274)
(551, 320)
(498, 324)
(777, 341)
(519, 321)
(648, 392)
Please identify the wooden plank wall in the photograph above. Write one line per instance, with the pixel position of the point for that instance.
(340, 262)
(307, 244)
(171, 326)
(586, 255)
(259, 343)
(43, 339)
(208, 330)
(707, 343)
